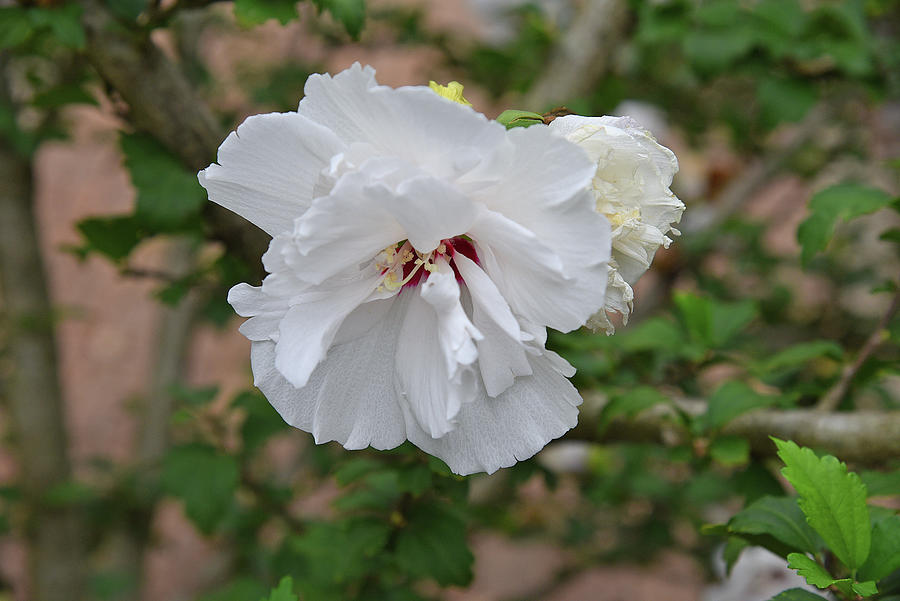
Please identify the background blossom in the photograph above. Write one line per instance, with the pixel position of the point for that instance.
(631, 188)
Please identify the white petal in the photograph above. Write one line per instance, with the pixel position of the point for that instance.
(405, 122)
(309, 326)
(531, 276)
(435, 351)
(495, 433)
(267, 169)
(501, 354)
(428, 209)
(351, 396)
(342, 230)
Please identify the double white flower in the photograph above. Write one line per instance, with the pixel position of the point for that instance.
(631, 188)
(419, 253)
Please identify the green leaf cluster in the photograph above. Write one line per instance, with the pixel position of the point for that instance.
(828, 518)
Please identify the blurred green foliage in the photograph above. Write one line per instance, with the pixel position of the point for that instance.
(740, 336)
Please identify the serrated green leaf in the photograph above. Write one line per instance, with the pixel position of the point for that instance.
(884, 556)
(779, 517)
(350, 13)
(342, 551)
(256, 12)
(730, 451)
(802, 353)
(797, 594)
(841, 202)
(833, 499)
(284, 591)
(814, 573)
(114, 237)
(731, 400)
(631, 403)
(167, 193)
(433, 545)
(204, 479)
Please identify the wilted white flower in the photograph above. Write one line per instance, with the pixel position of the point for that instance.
(419, 252)
(631, 188)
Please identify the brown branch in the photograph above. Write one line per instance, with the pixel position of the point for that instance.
(582, 56)
(836, 393)
(56, 543)
(163, 103)
(868, 437)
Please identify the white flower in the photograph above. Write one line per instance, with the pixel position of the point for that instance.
(631, 188)
(419, 252)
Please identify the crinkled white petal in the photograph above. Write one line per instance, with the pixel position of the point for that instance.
(412, 123)
(267, 169)
(435, 353)
(630, 186)
(501, 353)
(351, 396)
(309, 326)
(492, 433)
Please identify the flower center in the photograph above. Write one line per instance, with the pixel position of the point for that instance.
(402, 266)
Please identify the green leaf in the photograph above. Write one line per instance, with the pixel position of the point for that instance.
(732, 551)
(511, 118)
(814, 573)
(433, 545)
(730, 451)
(779, 517)
(61, 95)
(731, 400)
(256, 12)
(204, 479)
(350, 13)
(342, 551)
(195, 397)
(841, 202)
(241, 589)
(833, 499)
(711, 322)
(713, 50)
(884, 556)
(15, 26)
(114, 237)
(631, 403)
(167, 193)
(783, 100)
(797, 594)
(262, 421)
(802, 353)
(284, 591)
(355, 469)
(64, 22)
(865, 589)
(880, 484)
(128, 10)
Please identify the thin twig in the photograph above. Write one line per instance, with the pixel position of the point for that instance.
(836, 393)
